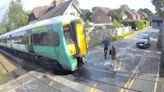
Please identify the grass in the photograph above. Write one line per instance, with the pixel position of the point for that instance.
(1, 77)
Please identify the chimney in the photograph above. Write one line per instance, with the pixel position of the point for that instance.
(57, 2)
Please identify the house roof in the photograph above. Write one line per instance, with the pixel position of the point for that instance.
(59, 10)
(38, 10)
(105, 9)
(130, 12)
(134, 12)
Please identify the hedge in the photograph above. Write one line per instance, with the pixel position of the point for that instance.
(147, 23)
(122, 36)
(137, 25)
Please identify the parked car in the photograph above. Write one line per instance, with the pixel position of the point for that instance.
(143, 41)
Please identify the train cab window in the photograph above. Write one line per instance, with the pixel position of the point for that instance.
(67, 35)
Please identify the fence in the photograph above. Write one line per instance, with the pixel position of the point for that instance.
(97, 36)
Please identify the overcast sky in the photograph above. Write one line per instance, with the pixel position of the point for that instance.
(85, 4)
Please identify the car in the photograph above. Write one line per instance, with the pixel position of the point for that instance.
(143, 41)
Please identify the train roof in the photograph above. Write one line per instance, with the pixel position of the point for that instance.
(41, 23)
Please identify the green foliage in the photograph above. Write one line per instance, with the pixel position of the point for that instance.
(87, 13)
(15, 17)
(1, 77)
(129, 23)
(116, 14)
(122, 36)
(148, 12)
(98, 28)
(147, 23)
(159, 4)
(139, 25)
(87, 22)
(116, 23)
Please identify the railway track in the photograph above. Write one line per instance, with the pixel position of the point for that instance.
(11, 59)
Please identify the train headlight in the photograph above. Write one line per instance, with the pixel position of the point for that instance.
(71, 49)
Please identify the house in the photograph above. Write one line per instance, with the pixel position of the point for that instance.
(60, 7)
(143, 15)
(36, 12)
(138, 17)
(130, 15)
(100, 15)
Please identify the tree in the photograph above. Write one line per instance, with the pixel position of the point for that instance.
(148, 12)
(116, 14)
(86, 13)
(15, 16)
(159, 4)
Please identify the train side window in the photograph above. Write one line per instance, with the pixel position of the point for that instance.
(41, 39)
(54, 38)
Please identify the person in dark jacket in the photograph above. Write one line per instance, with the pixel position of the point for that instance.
(113, 53)
(106, 45)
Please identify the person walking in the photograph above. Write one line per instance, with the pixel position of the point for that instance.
(113, 54)
(106, 45)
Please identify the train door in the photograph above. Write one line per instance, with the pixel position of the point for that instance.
(29, 42)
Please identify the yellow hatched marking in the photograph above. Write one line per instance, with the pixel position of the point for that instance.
(93, 89)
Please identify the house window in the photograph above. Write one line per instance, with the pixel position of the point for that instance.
(73, 14)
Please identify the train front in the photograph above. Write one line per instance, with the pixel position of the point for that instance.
(75, 41)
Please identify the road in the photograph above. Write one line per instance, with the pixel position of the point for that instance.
(137, 71)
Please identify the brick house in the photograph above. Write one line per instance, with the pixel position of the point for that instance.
(100, 15)
(36, 12)
(130, 15)
(138, 17)
(142, 14)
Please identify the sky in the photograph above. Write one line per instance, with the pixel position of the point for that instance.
(85, 4)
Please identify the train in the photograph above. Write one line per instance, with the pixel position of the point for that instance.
(61, 39)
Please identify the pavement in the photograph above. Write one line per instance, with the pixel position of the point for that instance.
(137, 71)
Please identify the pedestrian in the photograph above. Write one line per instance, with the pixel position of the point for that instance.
(106, 45)
(113, 53)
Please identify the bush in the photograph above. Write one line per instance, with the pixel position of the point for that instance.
(129, 23)
(122, 36)
(137, 25)
(147, 23)
(98, 27)
(116, 24)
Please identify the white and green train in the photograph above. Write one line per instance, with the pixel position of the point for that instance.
(61, 39)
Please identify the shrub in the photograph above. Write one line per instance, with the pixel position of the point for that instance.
(122, 36)
(116, 23)
(147, 23)
(99, 27)
(129, 23)
(139, 25)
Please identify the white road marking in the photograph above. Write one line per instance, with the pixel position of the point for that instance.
(136, 71)
(101, 70)
(156, 83)
(51, 83)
